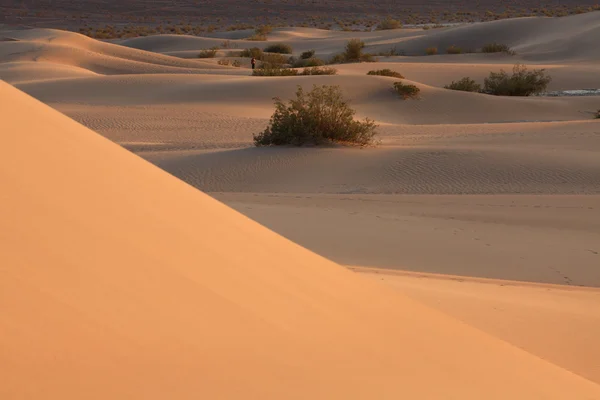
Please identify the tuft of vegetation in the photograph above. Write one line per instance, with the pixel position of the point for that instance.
(210, 53)
(309, 62)
(275, 59)
(223, 61)
(389, 23)
(465, 85)
(236, 63)
(431, 51)
(263, 30)
(307, 55)
(319, 71)
(280, 48)
(454, 50)
(267, 69)
(353, 53)
(318, 117)
(407, 91)
(386, 72)
(521, 83)
(252, 52)
(597, 114)
(497, 48)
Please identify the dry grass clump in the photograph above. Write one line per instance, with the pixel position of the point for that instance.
(280, 48)
(309, 62)
(431, 51)
(209, 53)
(267, 69)
(407, 91)
(319, 71)
(252, 52)
(454, 50)
(521, 83)
(320, 116)
(497, 48)
(260, 33)
(465, 85)
(386, 72)
(597, 114)
(389, 23)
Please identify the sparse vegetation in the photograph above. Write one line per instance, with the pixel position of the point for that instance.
(386, 72)
(260, 33)
(407, 91)
(465, 84)
(521, 83)
(252, 52)
(309, 62)
(431, 51)
(597, 114)
(223, 61)
(281, 48)
(209, 53)
(454, 50)
(389, 23)
(497, 48)
(353, 53)
(318, 117)
(319, 71)
(267, 69)
(236, 63)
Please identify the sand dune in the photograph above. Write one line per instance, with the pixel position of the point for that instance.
(120, 275)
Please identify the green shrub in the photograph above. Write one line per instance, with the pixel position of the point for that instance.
(521, 83)
(210, 53)
(431, 51)
(281, 48)
(389, 23)
(386, 72)
(317, 117)
(454, 50)
(267, 69)
(319, 71)
(465, 84)
(497, 48)
(252, 52)
(407, 91)
(306, 55)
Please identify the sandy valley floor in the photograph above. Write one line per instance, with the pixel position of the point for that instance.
(473, 229)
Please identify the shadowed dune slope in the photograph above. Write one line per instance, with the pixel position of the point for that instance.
(119, 281)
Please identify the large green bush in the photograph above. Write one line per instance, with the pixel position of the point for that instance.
(317, 117)
(465, 84)
(521, 83)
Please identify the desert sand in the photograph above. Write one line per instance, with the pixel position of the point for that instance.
(457, 259)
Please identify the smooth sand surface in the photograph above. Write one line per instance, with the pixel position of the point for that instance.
(121, 281)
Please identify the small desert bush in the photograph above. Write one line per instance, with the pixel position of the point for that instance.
(267, 69)
(497, 48)
(306, 55)
(465, 84)
(309, 62)
(353, 53)
(386, 72)
(521, 83)
(454, 50)
(431, 51)
(258, 38)
(317, 117)
(263, 30)
(274, 59)
(597, 115)
(281, 48)
(319, 71)
(407, 91)
(223, 62)
(236, 63)
(252, 52)
(389, 23)
(210, 53)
